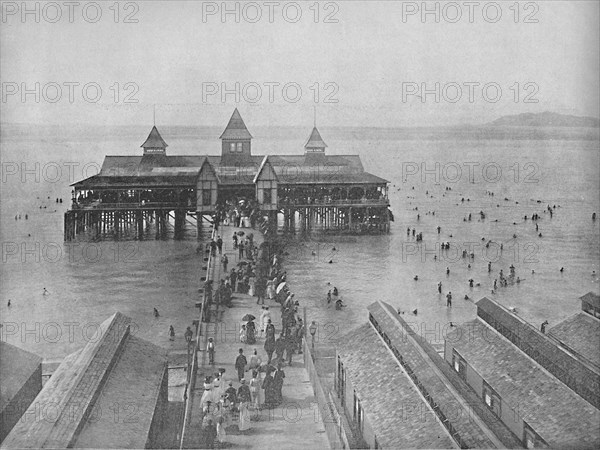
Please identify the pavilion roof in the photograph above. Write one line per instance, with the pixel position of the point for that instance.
(154, 140)
(315, 140)
(236, 128)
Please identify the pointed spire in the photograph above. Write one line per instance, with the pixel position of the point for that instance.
(236, 128)
(154, 143)
(315, 141)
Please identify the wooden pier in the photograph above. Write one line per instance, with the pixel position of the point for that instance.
(137, 196)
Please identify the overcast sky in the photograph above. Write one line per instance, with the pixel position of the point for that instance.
(179, 59)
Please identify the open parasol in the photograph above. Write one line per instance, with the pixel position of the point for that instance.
(280, 287)
(248, 318)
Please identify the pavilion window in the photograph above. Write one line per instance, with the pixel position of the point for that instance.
(232, 147)
(267, 198)
(491, 399)
(206, 197)
(459, 364)
(239, 147)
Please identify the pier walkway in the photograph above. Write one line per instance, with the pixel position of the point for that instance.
(296, 423)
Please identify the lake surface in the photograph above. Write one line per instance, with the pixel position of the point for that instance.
(89, 281)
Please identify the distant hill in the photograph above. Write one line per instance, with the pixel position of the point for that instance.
(546, 119)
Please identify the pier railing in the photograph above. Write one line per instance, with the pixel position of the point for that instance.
(332, 422)
(131, 205)
(341, 202)
(188, 396)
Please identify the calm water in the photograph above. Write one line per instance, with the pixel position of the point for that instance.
(90, 281)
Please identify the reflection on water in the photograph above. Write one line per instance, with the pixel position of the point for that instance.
(89, 281)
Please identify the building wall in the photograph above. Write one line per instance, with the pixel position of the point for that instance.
(20, 402)
(261, 186)
(368, 435)
(160, 412)
(579, 376)
(225, 146)
(508, 416)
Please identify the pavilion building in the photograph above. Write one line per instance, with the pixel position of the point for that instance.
(310, 191)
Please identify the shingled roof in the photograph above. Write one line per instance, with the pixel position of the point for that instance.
(580, 333)
(591, 298)
(453, 399)
(154, 140)
(392, 404)
(16, 367)
(113, 370)
(315, 140)
(555, 412)
(236, 128)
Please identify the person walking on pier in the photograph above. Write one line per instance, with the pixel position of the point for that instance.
(233, 278)
(213, 248)
(224, 261)
(290, 345)
(270, 346)
(268, 385)
(280, 345)
(264, 316)
(449, 299)
(240, 364)
(255, 389)
(244, 398)
(210, 348)
(278, 381)
(439, 287)
(241, 250)
(220, 245)
(299, 335)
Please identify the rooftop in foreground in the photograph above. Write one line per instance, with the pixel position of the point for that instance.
(104, 395)
(561, 417)
(580, 333)
(398, 414)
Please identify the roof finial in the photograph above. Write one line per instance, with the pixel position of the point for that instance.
(154, 115)
(315, 114)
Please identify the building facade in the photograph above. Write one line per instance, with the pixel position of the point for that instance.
(310, 191)
(543, 393)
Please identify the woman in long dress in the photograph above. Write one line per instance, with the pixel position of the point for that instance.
(270, 289)
(251, 286)
(255, 388)
(250, 332)
(244, 397)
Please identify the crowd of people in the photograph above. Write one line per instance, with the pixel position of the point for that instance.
(259, 380)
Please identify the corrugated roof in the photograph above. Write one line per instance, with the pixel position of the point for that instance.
(113, 366)
(16, 367)
(236, 128)
(315, 140)
(392, 404)
(581, 333)
(555, 412)
(154, 140)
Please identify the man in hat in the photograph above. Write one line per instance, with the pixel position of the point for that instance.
(231, 395)
(299, 335)
(240, 364)
(210, 348)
